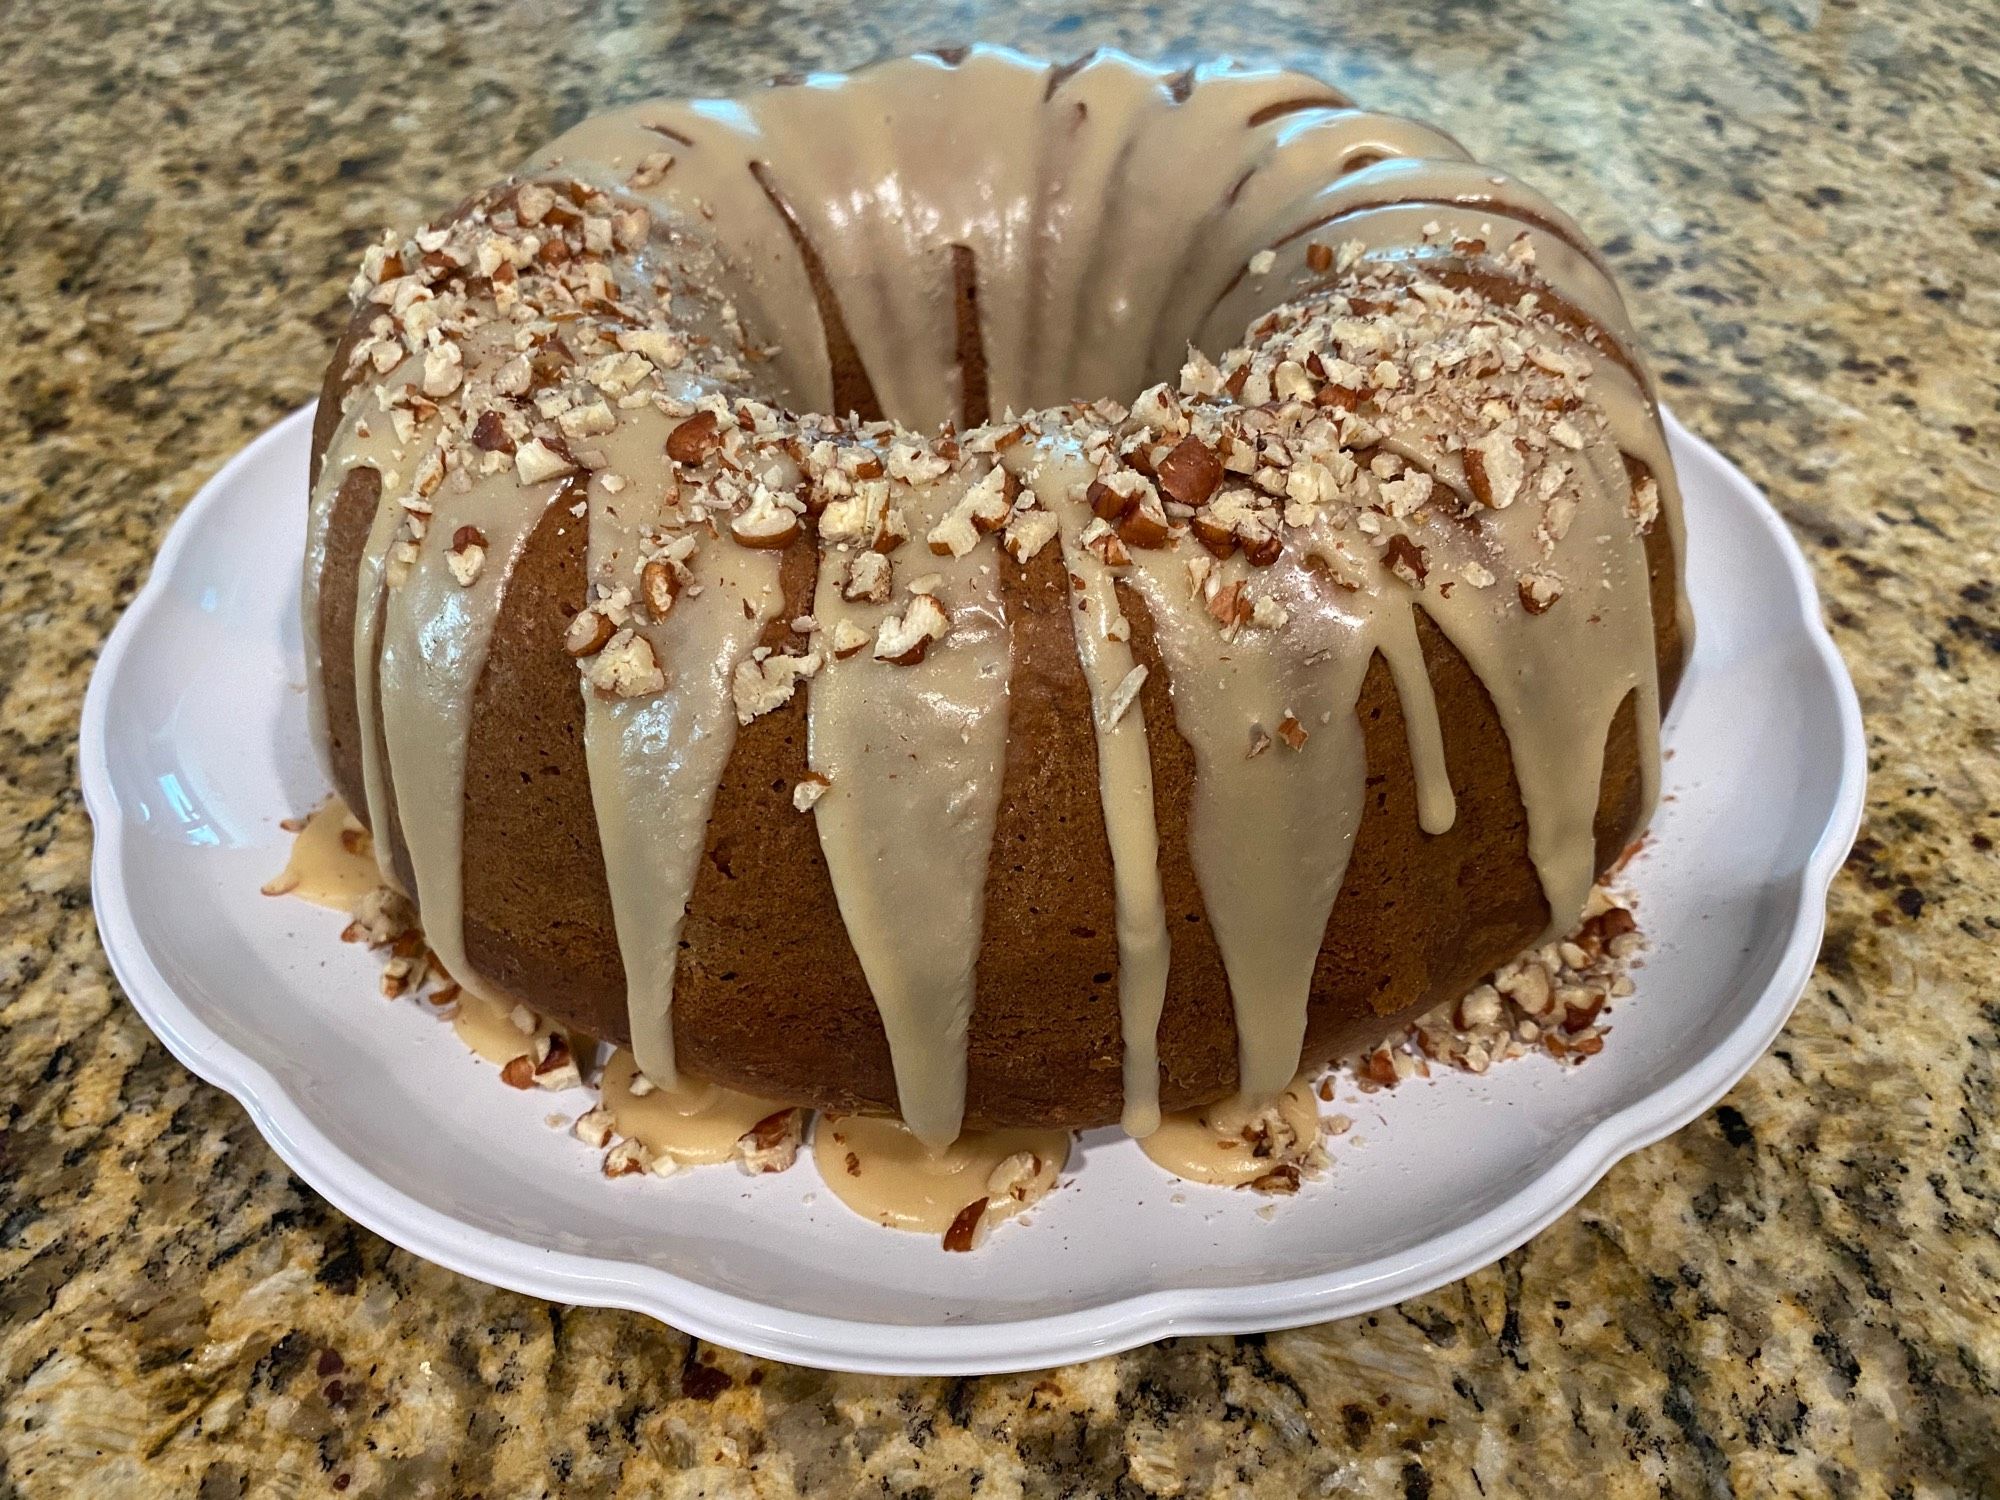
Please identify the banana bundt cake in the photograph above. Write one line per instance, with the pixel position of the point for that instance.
(998, 593)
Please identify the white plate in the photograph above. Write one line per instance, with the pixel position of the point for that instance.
(194, 746)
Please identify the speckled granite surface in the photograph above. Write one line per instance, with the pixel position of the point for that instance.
(1799, 1293)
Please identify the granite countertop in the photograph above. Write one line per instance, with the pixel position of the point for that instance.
(1799, 1293)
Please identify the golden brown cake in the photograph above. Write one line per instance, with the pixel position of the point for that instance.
(1005, 593)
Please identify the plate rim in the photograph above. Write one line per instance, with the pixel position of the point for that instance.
(859, 1345)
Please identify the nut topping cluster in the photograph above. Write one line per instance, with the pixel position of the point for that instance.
(1551, 999)
(526, 331)
(513, 338)
(1348, 416)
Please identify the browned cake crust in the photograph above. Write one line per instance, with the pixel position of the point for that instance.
(770, 997)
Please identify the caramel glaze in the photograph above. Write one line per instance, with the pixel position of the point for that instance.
(1064, 908)
(331, 863)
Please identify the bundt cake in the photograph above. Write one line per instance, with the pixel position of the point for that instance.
(1007, 594)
